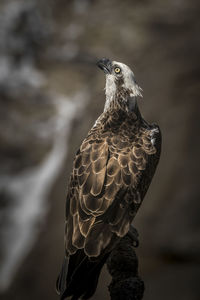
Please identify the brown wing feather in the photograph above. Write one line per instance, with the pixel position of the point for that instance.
(103, 192)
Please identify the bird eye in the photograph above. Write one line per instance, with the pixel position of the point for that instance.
(117, 70)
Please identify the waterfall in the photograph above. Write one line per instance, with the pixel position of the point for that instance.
(29, 189)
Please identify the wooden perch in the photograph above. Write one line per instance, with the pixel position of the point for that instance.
(122, 265)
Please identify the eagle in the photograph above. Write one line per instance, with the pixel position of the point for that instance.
(112, 171)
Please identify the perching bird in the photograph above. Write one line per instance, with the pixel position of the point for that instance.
(111, 174)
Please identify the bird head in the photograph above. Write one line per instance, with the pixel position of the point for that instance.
(120, 81)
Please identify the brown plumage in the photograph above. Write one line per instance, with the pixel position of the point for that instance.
(111, 173)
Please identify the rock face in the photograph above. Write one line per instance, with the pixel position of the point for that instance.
(50, 95)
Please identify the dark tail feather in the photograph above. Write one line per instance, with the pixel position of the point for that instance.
(62, 278)
(82, 276)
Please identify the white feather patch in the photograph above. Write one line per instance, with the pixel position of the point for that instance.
(110, 90)
(129, 84)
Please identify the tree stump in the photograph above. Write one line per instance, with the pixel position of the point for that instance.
(122, 265)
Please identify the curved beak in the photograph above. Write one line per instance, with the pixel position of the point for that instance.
(106, 65)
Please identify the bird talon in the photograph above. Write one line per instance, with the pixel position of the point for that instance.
(133, 234)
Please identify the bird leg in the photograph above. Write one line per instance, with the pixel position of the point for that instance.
(133, 234)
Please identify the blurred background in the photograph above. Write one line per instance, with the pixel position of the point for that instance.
(50, 95)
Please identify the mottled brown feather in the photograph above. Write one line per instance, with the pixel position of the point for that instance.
(71, 249)
(78, 162)
(99, 164)
(118, 178)
(82, 178)
(73, 205)
(109, 180)
(94, 155)
(86, 225)
(112, 167)
(77, 238)
(98, 182)
(85, 159)
(91, 203)
(117, 216)
(111, 191)
(81, 171)
(121, 228)
(123, 160)
(109, 169)
(88, 183)
(99, 232)
(82, 213)
(132, 167)
(126, 178)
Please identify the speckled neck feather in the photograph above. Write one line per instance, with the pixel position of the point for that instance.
(122, 91)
